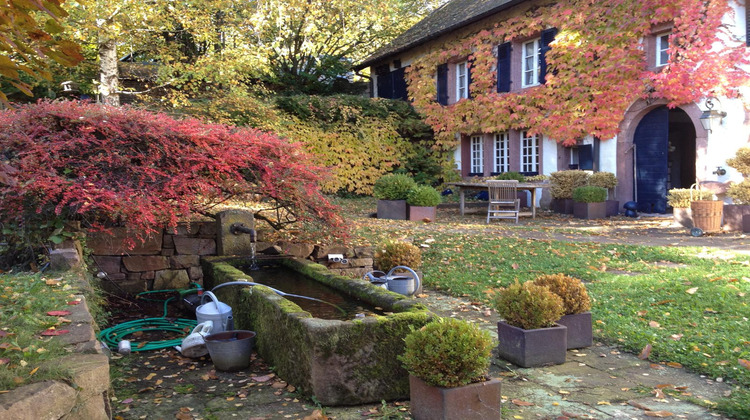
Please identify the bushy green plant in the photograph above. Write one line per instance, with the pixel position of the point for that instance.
(393, 187)
(448, 353)
(529, 306)
(681, 197)
(589, 194)
(741, 162)
(511, 176)
(573, 293)
(740, 192)
(563, 183)
(603, 179)
(395, 253)
(423, 196)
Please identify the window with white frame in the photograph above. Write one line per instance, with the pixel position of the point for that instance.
(530, 64)
(662, 49)
(501, 148)
(529, 152)
(462, 81)
(477, 155)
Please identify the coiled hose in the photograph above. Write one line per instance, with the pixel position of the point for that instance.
(113, 335)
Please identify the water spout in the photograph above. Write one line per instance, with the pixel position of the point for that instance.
(240, 228)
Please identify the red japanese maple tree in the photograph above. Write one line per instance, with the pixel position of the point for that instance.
(109, 166)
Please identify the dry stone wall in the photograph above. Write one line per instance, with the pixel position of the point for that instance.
(171, 260)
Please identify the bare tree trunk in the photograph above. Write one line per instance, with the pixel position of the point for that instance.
(108, 73)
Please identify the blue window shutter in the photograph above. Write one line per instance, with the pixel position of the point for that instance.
(548, 35)
(586, 157)
(503, 67)
(399, 84)
(442, 84)
(469, 65)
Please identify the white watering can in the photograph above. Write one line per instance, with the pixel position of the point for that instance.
(194, 345)
(217, 312)
(403, 284)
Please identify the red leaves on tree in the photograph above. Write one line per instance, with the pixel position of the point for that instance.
(106, 165)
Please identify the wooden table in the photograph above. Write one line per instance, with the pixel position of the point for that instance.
(528, 186)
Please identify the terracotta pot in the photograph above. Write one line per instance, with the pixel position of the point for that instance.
(421, 213)
(580, 332)
(733, 215)
(590, 210)
(479, 400)
(527, 348)
(392, 209)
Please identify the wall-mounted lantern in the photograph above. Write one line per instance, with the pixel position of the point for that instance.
(711, 114)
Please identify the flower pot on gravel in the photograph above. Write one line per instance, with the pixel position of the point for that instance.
(480, 400)
(423, 201)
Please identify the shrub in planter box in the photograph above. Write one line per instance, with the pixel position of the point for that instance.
(589, 202)
(529, 336)
(423, 201)
(561, 185)
(448, 361)
(576, 306)
(391, 191)
(679, 200)
(735, 213)
(607, 180)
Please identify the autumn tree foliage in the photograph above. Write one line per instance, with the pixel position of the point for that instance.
(110, 166)
(597, 67)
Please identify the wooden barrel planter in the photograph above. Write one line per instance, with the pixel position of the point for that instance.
(707, 214)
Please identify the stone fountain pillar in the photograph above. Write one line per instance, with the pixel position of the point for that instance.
(227, 243)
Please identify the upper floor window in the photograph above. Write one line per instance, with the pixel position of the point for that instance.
(530, 63)
(501, 162)
(529, 152)
(462, 81)
(476, 146)
(662, 49)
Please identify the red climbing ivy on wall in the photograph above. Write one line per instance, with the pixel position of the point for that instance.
(597, 67)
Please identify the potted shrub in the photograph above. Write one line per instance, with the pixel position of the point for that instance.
(607, 180)
(737, 215)
(391, 191)
(589, 202)
(423, 201)
(393, 253)
(529, 335)
(448, 361)
(576, 306)
(561, 186)
(679, 200)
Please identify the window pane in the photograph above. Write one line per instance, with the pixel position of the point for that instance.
(477, 155)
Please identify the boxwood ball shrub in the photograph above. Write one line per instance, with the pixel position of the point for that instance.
(573, 293)
(394, 253)
(563, 183)
(681, 197)
(740, 192)
(590, 194)
(448, 353)
(606, 180)
(393, 187)
(529, 306)
(423, 196)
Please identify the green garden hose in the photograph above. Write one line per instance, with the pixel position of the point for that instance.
(113, 335)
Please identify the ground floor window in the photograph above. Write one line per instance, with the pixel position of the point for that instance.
(529, 152)
(477, 155)
(501, 151)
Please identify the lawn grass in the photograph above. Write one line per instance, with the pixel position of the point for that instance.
(25, 299)
(690, 305)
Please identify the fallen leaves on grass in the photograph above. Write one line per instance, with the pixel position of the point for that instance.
(54, 332)
(58, 313)
(744, 363)
(645, 352)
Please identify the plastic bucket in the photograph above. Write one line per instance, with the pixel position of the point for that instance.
(230, 350)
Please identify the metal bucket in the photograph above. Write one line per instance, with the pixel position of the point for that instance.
(217, 312)
(230, 350)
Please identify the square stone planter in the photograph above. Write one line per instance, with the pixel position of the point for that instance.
(683, 216)
(562, 205)
(733, 216)
(528, 348)
(580, 332)
(590, 210)
(392, 209)
(613, 208)
(422, 213)
(479, 400)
